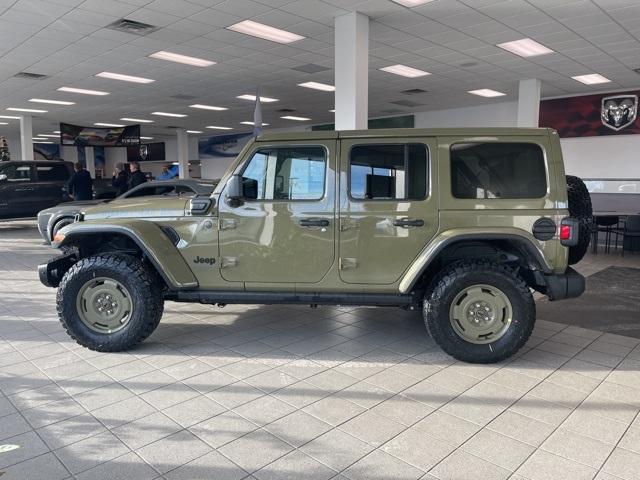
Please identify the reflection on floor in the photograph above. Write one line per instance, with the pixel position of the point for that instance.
(293, 393)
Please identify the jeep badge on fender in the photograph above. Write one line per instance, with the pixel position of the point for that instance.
(207, 260)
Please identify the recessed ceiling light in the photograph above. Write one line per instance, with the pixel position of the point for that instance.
(138, 120)
(30, 110)
(412, 3)
(82, 91)
(253, 98)
(194, 131)
(525, 48)
(318, 86)
(9, 117)
(251, 123)
(591, 79)
(53, 102)
(333, 110)
(146, 138)
(208, 107)
(405, 71)
(124, 78)
(260, 30)
(176, 57)
(486, 92)
(214, 127)
(167, 114)
(50, 135)
(101, 124)
(299, 119)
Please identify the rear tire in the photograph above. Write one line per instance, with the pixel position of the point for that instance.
(580, 208)
(109, 302)
(479, 312)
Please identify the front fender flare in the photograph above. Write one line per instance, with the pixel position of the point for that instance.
(440, 242)
(151, 240)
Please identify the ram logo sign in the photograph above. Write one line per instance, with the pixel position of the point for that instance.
(619, 111)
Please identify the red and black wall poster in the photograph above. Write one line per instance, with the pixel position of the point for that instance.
(592, 115)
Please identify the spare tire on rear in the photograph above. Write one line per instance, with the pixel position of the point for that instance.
(581, 209)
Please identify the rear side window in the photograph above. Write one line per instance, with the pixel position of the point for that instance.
(498, 170)
(52, 173)
(388, 172)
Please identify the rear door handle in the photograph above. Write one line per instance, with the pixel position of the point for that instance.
(314, 222)
(409, 222)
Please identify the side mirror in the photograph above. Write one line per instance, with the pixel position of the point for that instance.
(3, 177)
(234, 188)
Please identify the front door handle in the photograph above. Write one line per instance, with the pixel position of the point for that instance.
(409, 222)
(314, 222)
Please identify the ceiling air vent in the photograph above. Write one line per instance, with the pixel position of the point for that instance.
(637, 70)
(413, 91)
(407, 103)
(131, 26)
(30, 75)
(468, 64)
(310, 68)
(183, 96)
(285, 110)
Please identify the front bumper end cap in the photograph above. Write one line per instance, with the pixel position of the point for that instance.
(51, 273)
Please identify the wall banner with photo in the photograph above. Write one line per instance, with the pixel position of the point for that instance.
(99, 137)
(592, 115)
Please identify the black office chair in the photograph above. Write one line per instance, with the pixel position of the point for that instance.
(604, 224)
(631, 234)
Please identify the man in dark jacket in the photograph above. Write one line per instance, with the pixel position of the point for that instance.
(137, 177)
(80, 185)
(120, 180)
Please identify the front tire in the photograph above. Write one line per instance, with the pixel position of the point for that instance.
(109, 302)
(479, 312)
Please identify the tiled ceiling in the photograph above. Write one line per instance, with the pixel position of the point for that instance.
(453, 39)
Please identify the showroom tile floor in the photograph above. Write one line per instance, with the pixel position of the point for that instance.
(292, 393)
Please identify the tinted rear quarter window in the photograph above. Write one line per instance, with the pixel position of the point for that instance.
(498, 170)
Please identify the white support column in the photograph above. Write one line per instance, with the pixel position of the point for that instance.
(183, 152)
(89, 155)
(26, 137)
(529, 102)
(352, 71)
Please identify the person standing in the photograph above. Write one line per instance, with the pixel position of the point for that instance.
(80, 185)
(137, 177)
(119, 180)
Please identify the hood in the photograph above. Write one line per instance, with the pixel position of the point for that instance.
(140, 207)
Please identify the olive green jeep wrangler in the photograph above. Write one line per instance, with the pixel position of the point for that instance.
(461, 223)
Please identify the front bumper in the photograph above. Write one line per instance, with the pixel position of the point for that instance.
(51, 273)
(567, 285)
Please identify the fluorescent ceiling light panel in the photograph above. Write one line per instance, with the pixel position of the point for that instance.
(52, 102)
(194, 131)
(38, 139)
(57, 131)
(525, 48)
(167, 114)
(486, 92)
(214, 127)
(82, 91)
(124, 78)
(4, 123)
(208, 107)
(251, 123)
(591, 79)
(9, 117)
(138, 120)
(100, 124)
(42, 141)
(176, 57)
(50, 135)
(412, 3)
(318, 86)
(29, 110)
(404, 71)
(299, 119)
(146, 138)
(253, 98)
(260, 30)
(333, 110)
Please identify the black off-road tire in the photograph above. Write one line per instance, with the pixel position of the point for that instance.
(580, 208)
(453, 280)
(146, 297)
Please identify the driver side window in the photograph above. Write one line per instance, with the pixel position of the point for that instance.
(17, 173)
(286, 173)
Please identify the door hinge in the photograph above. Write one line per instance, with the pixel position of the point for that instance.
(226, 262)
(347, 263)
(227, 223)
